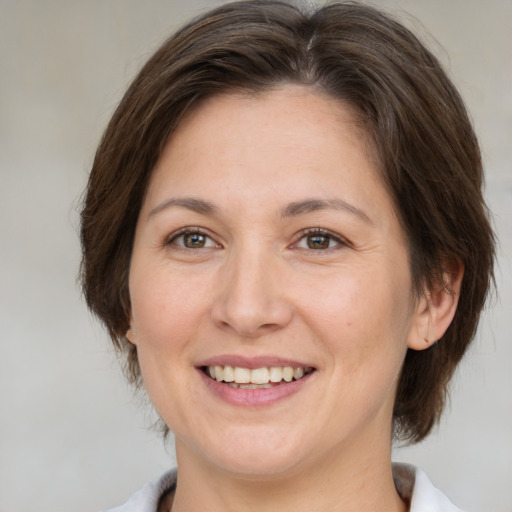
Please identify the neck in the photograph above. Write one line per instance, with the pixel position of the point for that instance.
(350, 484)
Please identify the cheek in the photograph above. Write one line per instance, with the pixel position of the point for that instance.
(362, 319)
(166, 309)
(166, 313)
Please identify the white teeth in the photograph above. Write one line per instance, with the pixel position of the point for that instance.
(276, 374)
(229, 374)
(288, 373)
(248, 386)
(259, 377)
(242, 375)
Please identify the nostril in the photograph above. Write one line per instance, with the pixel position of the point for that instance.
(249, 300)
(250, 324)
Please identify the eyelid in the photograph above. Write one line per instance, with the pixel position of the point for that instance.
(169, 240)
(340, 240)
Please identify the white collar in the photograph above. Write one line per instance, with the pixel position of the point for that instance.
(412, 484)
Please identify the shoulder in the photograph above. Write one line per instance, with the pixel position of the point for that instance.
(414, 486)
(148, 498)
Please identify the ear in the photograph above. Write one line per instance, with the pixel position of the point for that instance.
(436, 308)
(131, 335)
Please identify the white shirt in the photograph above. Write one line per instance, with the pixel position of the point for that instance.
(412, 484)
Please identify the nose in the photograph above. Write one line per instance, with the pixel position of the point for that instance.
(251, 300)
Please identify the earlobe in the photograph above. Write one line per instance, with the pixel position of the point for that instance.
(131, 334)
(436, 309)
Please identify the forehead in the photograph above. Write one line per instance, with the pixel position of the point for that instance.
(290, 113)
(244, 146)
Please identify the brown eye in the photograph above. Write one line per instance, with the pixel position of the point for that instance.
(194, 240)
(318, 241)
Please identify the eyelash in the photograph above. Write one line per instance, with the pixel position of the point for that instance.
(171, 240)
(319, 232)
(340, 242)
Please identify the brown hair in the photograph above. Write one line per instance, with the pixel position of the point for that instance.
(427, 152)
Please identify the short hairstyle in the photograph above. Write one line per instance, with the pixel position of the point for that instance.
(427, 154)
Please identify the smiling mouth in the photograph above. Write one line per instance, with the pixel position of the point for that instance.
(257, 378)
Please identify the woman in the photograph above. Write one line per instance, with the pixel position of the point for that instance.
(284, 233)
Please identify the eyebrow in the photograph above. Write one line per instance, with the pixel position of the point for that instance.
(190, 203)
(292, 210)
(314, 205)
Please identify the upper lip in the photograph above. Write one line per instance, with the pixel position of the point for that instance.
(252, 362)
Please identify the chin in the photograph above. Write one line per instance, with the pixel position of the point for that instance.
(267, 455)
(259, 468)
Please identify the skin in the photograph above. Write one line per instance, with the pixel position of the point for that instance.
(257, 288)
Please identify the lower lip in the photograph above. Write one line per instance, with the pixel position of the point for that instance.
(254, 397)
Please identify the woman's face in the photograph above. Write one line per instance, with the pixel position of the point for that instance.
(268, 247)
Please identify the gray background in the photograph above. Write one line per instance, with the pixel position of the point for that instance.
(71, 437)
